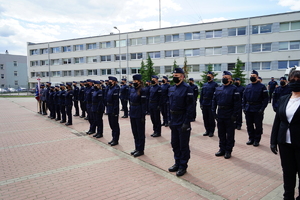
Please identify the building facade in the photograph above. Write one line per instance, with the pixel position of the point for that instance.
(13, 70)
(268, 44)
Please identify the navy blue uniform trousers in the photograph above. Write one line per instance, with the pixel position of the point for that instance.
(209, 120)
(155, 118)
(57, 110)
(69, 113)
(90, 116)
(83, 108)
(138, 131)
(76, 107)
(125, 106)
(97, 122)
(254, 118)
(114, 125)
(226, 130)
(63, 112)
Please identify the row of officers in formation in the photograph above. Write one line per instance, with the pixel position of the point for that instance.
(177, 104)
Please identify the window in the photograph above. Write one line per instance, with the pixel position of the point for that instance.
(192, 52)
(156, 70)
(231, 66)
(288, 26)
(45, 74)
(32, 74)
(44, 62)
(67, 73)
(91, 46)
(172, 38)
(106, 71)
(34, 52)
(261, 47)
(2, 76)
(213, 51)
(261, 65)
(66, 48)
(287, 64)
(121, 43)
(136, 41)
(79, 60)
(55, 62)
(173, 53)
(192, 36)
(168, 69)
(78, 73)
(66, 61)
(92, 72)
(237, 31)
(123, 56)
(266, 28)
(216, 67)
(135, 56)
(236, 49)
(124, 71)
(55, 73)
(15, 63)
(105, 58)
(105, 45)
(34, 63)
(289, 45)
(16, 83)
(153, 40)
(15, 73)
(135, 70)
(44, 51)
(92, 59)
(193, 68)
(1, 66)
(213, 34)
(78, 47)
(155, 54)
(55, 50)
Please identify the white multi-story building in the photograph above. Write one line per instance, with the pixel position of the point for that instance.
(268, 44)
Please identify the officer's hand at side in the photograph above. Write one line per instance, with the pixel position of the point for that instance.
(158, 108)
(261, 111)
(233, 118)
(142, 120)
(274, 149)
(185, 127)
(201, 107)
(216, 116)
(244, 112)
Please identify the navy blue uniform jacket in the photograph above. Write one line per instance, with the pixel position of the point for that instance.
(255, 97)
(137, 103)
(207, 93)
(112, 100)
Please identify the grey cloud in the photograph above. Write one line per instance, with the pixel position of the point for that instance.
(6, 31)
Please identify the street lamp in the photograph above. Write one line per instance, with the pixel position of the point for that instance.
(119, 52)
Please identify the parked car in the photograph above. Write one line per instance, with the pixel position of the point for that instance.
(12, 90)
(22, 89)
(32, 90)
(2, 90)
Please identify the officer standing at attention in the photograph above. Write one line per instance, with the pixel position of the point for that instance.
(57, 103)
(196, 93)
(255, 100)
(69, 102)
(227, 99)
(240, 89)
(97, 109)
(88, 93)
(271, 87)
(105, 93)
(62, 96)
(206, 95)
(81, 99)
(181, 99)
(51, 104)
(112, 102)
(154, 106)
(165, 101)
(43, 99)
(147, 90)
(137, 115)
(76, 98)
(124, 95)
(280, 91)
(47, 94)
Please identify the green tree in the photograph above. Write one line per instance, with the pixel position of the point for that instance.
(173, 68)
(237, 71)
(143, 71)
(204, 75)
(147, 69)
(186, 70)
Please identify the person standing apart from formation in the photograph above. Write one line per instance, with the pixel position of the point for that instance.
(88, 93)
(137, 114)
(76, 98)
(196, 93)
(206, 95)
(240, 89)
(165, 101)
(81, 99)
(69, 103)
(285, 135)
(255, 100)
(154, 106)
(181, 99)
(271, 87)
(227, 100)
(97, 110)
(112, 109)
(280, 91)
(124, 95)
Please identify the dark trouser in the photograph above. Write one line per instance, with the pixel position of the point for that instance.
(69, 113)
(254, 118)
(208, 119)
(147, 106)
(44, 107)
(180, 144)
(63, 112)
(57, 110)
(124, 106)
(270, 95)
(83, 108)
(165, 112)
(239, 118)
(52, 110)
(226, 134)
(194, 115)
(90, 115)
(155, 118)
(76, 107)
(97, 122)
(290, 162)
(138, 131)
(114, 125)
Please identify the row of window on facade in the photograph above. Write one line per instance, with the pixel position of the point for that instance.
(15, 64)
(15, 73)
(16, 83)
(258, 29)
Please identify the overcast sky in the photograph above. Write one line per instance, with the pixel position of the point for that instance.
(23, 21)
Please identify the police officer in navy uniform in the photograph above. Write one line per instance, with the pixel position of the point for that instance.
(165, 101)
(255, 100)
(227, 100)
(62, 96)
(147, 90)
(57, 103)
(206, 96)
(137, 114)
(280, 91)
(76, 98)
(112, 108)
(181, 99)
(88, 93)
(51, 104)
(97, 109)
(47, 95)
(271, 87)
(124, 95)
(81, 99)
(105, 94)
(154, 106)
(69, 103)
(43, 99)
(196, 93)
(240, 89)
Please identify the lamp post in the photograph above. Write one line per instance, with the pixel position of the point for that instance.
(119, 52)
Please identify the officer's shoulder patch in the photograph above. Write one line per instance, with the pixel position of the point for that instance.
(265, 91)
(237, 93)
(190, 93)
(115, 94)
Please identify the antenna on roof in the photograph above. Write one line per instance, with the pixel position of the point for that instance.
(6, 51)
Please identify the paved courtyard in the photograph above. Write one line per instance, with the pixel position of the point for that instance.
(43, 159)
